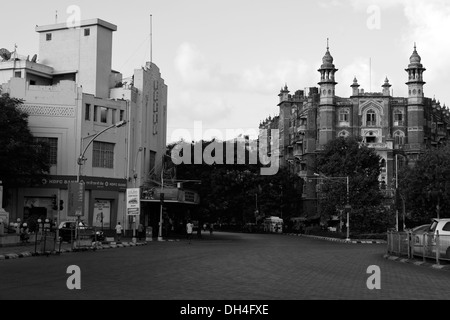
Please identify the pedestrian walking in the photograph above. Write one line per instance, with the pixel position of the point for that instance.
(211, 229)
(140, 231)
(119, 229)
(189, 230)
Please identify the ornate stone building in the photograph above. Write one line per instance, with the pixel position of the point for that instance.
(398, 128)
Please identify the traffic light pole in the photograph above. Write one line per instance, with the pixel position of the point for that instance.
(161, 206)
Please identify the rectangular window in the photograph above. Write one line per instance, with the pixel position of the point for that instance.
(18, 74)
(398, 119)
(95, 113)
(122, 115)
(48, 37)
(87, 32)
(152, 161)
(343, 117)
(371, 120)
(103, 155)
(53, 148)
(103, 115)
(32, 82)
(87, 112)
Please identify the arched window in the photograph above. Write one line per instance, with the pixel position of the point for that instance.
(398, 118)
(399, 137)
(371, 118)
(344, 115)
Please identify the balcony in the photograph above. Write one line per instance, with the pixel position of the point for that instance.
(377, 145)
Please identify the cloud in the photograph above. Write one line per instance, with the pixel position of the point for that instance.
(330, 4)
(428, 26)
(196, 72)
(193, 68)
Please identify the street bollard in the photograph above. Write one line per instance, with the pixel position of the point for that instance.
(408, 234)
(423, 246)
(437, 247)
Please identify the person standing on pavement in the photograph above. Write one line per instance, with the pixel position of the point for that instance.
(211, 228)
(119, 231)
(189, 230)
(140, 231)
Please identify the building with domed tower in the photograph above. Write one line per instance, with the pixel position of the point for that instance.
(398, 128)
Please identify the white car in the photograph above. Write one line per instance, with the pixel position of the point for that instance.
(425, 237)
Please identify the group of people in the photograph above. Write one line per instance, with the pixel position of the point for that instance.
(189, 230)
(119, 231)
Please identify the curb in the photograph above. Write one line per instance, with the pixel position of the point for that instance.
(11, 256)
(339, 240)
(417, 262)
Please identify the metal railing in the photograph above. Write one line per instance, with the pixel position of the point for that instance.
(419, 245)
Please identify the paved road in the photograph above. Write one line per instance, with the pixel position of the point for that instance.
(222, 267)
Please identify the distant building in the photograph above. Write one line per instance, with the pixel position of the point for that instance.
(396, 127)
(71, 93)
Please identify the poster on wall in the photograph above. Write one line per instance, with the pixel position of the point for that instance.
(102, 213)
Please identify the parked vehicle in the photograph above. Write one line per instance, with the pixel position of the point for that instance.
(273, 225)
(67, 231)
(424, 238)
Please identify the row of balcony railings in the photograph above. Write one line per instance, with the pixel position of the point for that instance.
(419, 245)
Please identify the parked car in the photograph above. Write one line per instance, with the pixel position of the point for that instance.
(425, 237)
(67, 231)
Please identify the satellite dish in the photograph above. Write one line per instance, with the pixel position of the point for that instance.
(34, 59)
(5, 54)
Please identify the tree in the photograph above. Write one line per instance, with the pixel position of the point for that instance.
(348, 157)
(23, 161)
(426, 186)
(232, 193)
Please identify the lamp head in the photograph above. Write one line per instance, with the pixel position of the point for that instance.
(120, 124)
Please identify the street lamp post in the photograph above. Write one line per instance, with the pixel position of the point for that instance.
(135, 176)
(82, 159)
(161, 205)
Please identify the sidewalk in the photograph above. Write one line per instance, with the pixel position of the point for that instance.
(353, 241)
(31, 250)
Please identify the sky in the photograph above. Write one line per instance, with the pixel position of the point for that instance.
(225, 61)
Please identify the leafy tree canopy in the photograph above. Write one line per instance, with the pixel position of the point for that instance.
(425, 186)
(238, 193)
(22, 160)
(348, 157)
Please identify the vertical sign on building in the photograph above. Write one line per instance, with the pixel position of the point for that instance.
(76, 199)
(133, 201)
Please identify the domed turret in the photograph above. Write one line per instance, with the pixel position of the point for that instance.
(327, 60)
(327, 69)
(355, 87)
(415, 59)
